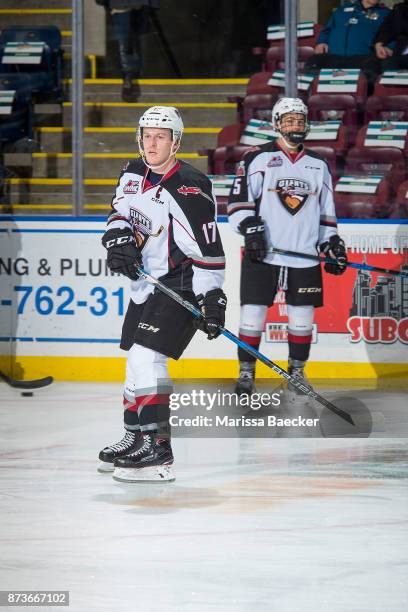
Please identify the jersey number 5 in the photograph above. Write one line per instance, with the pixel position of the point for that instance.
(210, 232)
(237, 186)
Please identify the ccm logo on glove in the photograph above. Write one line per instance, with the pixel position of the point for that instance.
(118, 241)
(256, 228)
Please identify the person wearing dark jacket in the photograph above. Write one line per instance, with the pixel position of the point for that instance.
(130, 20)
(394, 31)
(347, 39)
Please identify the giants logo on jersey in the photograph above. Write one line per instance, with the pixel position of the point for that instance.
(293, 193)
(131, 187)
(142, 226)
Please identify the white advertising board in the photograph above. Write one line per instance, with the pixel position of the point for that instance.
(57, 297)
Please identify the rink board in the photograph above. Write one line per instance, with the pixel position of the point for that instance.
(61, 309)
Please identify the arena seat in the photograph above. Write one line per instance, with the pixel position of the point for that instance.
(258, 106)
(258, 84)
(275, 58)
(386, 108)
(364, 205)
(388, 161)
(387, 88)
(225, 159)
(227, 139)
(400, 144)
(339, 145)
(303, 41)
(329, 154)
(323, 107)
(400, 207)
(360, 94)
(19, 122)
(46, 77)
(348, 208)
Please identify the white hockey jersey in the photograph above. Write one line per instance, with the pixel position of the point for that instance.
(174, 223)
(293, 197)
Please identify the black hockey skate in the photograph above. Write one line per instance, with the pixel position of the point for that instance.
(246, 381)
(129, 443)
(297, 370)
(151, 462)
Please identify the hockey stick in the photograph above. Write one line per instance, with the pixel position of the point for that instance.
(249, 349)
(27, 384)
(351, 264)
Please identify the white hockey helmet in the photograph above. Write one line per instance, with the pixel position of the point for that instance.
(287, 105)
(161, 117)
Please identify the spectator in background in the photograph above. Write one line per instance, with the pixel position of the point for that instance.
(130, 20)
(347, 39)
(394, 30)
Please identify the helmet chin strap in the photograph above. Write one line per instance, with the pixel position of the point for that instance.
(155, 167)
(289, 144)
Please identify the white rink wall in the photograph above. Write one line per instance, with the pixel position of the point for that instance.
(58, 301)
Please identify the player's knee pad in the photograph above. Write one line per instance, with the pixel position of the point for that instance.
(300, 318)
(146, 373)
(252, 318)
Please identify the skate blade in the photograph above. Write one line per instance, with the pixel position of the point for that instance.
(158, 473)
(105, 468)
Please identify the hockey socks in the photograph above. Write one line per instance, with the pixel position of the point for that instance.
(250, 329)
(300, 331)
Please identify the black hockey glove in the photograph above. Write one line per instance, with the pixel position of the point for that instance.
(213, 307)
(123, 254)
(253, 230)
(335, 248)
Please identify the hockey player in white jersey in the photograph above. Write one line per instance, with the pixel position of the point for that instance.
(282, 197)
(164, 219)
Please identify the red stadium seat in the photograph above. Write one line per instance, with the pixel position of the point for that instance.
(339, 145)
(258, 106)
(388, 161)
(323, 107)
(400, 207)
(402, 194)
(360, 95)
(258, 84)
(348, 208)
(229, 135)
(225, 159)
(306, 41)
(386, 108)
(275, 58)
(228, 138)
(361, 137)
(329, 154)
(387, 90)
(364, 206)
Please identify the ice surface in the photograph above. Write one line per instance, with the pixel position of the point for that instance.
(285, 525)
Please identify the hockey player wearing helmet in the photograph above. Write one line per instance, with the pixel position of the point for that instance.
(163, 218)
(282, 197)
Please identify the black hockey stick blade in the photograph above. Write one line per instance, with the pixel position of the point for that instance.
(27, 384)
